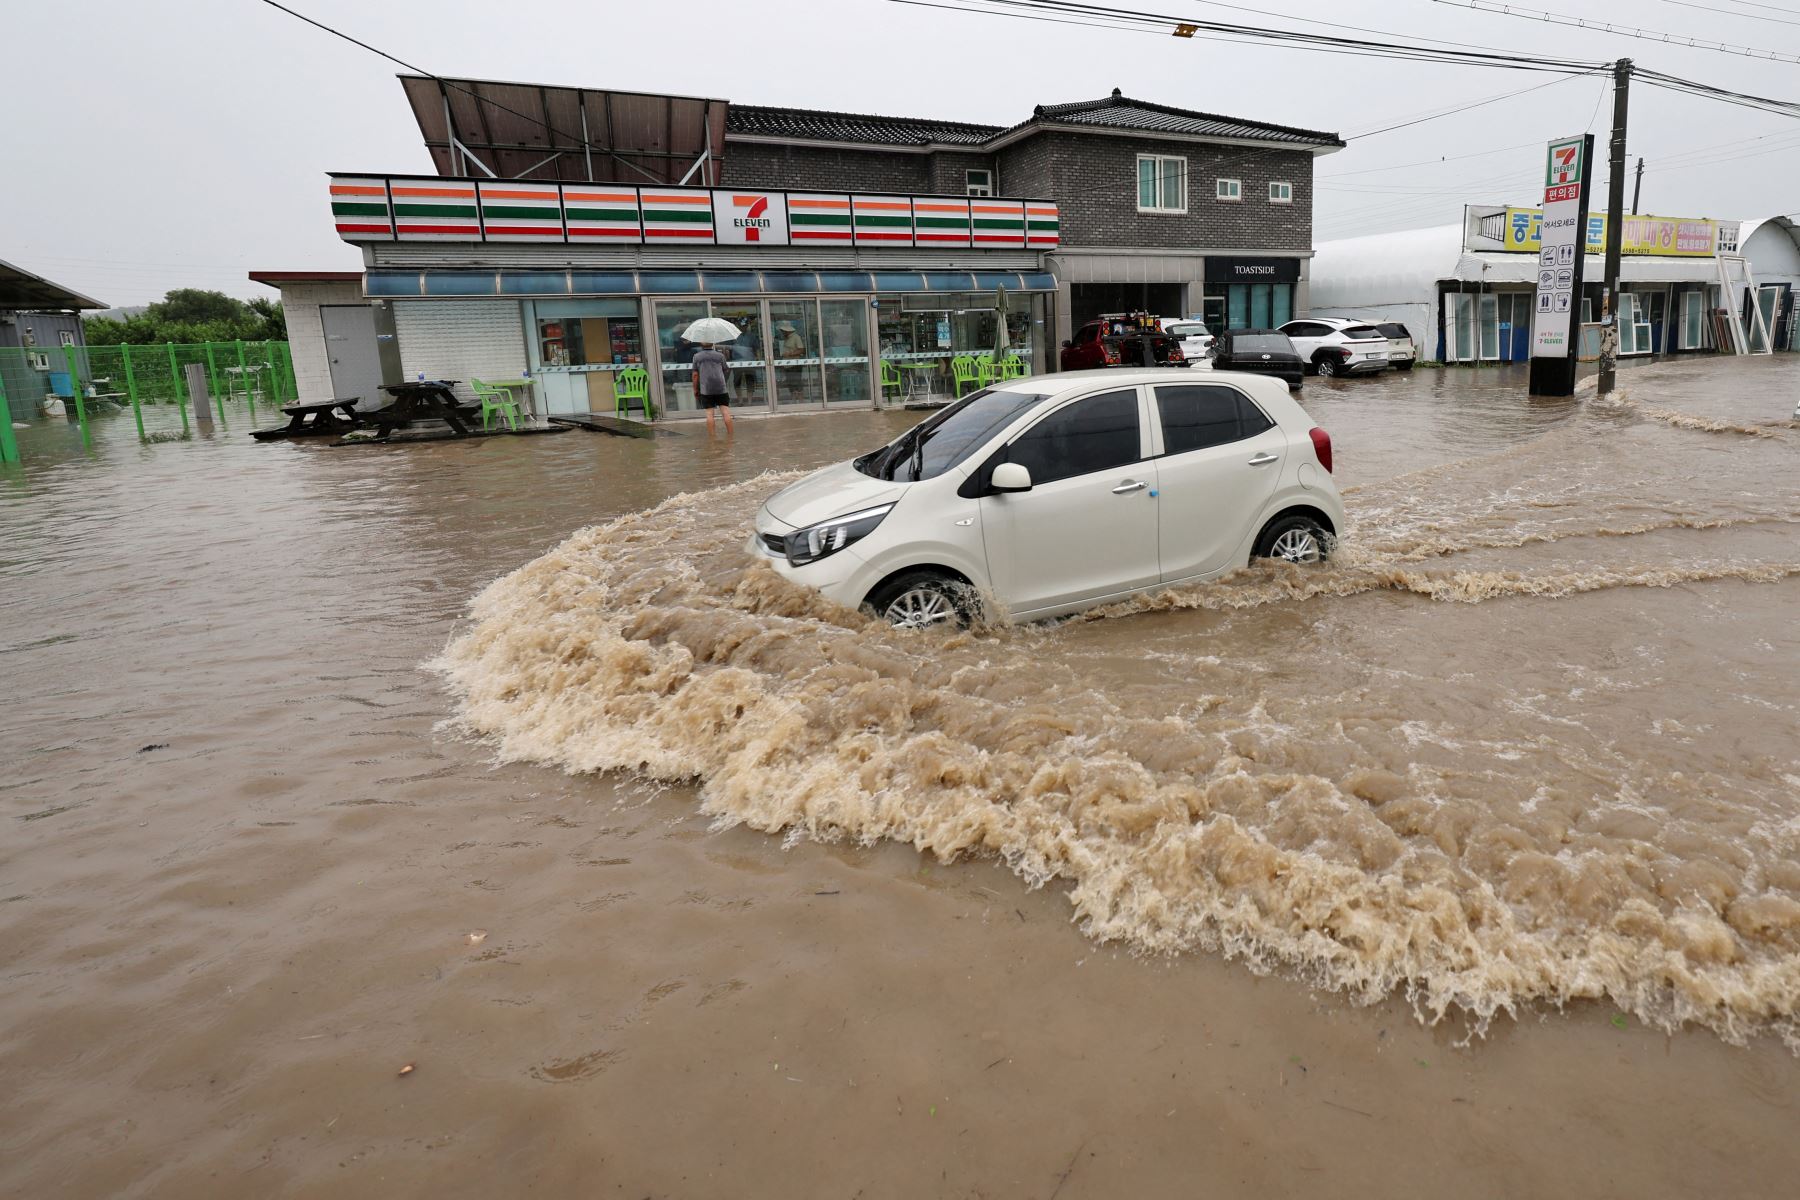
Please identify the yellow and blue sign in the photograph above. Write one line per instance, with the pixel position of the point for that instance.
(1665, 237)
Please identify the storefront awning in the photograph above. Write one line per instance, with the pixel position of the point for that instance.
(388, 283)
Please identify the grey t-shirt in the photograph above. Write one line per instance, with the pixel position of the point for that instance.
(709, 373)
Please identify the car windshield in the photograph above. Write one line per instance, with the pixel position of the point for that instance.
(1261, 343)
(941, 441)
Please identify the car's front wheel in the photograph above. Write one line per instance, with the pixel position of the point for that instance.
(921, 600)
(1295, 539)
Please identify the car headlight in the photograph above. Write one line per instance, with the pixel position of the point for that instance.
(828, 537)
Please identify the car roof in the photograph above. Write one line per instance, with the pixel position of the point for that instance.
(1066, 383)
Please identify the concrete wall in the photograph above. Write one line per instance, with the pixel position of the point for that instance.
(306, 333)
(460, 339)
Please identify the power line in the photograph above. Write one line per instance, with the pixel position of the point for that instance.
(1630, 31)
(1190, 26)
(1726, 12)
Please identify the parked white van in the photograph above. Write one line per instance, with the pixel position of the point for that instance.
(1042, 496)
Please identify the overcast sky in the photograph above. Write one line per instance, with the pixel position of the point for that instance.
(181, 143)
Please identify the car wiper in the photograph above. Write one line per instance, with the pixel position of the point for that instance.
(918, 453)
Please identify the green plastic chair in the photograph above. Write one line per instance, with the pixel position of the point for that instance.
(987, 370)
(495, 399)
(890, 377)
(963, 372)
(1012, 367)
(633, 383)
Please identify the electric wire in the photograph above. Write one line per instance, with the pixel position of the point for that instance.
(1629, 31)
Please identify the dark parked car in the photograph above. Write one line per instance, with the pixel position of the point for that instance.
(1122, 340)
(1262, 352)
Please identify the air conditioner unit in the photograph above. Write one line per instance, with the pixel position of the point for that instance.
(9, 318)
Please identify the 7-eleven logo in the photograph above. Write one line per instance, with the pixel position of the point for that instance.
(1565, 164)
(755, 218)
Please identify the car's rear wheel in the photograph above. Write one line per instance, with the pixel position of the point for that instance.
(1326, 365)
(1295, 539)
(921, 600)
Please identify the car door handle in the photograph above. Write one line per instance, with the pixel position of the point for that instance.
(1130, 485)
(1264, 459)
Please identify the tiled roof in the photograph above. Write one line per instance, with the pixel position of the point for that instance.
(1122, 112)
(819, 126)
(1109, 112)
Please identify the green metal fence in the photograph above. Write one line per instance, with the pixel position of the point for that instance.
(88, 379)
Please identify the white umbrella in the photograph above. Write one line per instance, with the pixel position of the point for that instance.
(711, 329)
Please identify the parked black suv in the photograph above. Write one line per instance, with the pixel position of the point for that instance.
(1261, 351)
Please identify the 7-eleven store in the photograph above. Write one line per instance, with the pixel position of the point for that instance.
(573, 284)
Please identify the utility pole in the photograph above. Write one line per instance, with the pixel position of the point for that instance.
(1615, 232)
(1637, 187)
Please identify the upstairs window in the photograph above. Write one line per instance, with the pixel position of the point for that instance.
(1230, 189)
(1281, 192)
(67, 336)
(979, 183)
(1162, 184)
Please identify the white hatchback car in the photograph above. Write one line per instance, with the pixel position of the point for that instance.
(1196, 339)
(1046, 495)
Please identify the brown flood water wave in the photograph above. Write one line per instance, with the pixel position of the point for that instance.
(1330, 831)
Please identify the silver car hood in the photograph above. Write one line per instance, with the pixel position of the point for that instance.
(829, 492)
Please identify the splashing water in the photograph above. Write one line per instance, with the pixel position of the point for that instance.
(1562, 765)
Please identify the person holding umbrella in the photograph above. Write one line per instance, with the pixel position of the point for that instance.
(711, 383)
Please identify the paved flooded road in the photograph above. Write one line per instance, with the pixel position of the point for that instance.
(1533, 737)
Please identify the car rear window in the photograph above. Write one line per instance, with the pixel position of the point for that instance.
(1363, 331)
(1187, 329)
(1394, 329)
(1261, 343)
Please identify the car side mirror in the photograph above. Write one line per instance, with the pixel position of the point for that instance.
(1010, 477)
(1067, 343)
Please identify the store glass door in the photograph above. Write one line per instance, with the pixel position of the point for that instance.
(848, 379)
(747, 358)
(579, 348)
(799, 377)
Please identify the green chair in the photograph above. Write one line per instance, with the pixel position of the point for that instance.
(1012, 367)
(963, 372)
(495, 399)
(890, 377)
(987, 370)
(633, 383)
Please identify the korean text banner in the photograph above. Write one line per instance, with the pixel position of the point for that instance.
(1663, 237)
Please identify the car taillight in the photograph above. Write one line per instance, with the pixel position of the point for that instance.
(1112, 353)
(1175, 354)
(1321, 446)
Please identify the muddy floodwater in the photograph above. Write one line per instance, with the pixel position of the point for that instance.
(479, 819)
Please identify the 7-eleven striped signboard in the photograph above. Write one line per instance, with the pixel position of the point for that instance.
(601, 213)
(512, 211)
(882, 220)
(440, 210)
(817, 218)
(677, 214)
(1043, 225)
(998, 222)
(360, 208)
(940, 222)
(746, 218)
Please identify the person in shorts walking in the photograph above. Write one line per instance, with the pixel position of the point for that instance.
(711, 385)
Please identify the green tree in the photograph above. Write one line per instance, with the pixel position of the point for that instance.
(193, 315)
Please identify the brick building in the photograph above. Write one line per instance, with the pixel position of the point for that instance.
(572, 235)
(1160, 208)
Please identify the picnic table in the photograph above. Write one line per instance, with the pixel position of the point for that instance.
(421, 400)
(323, 419)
